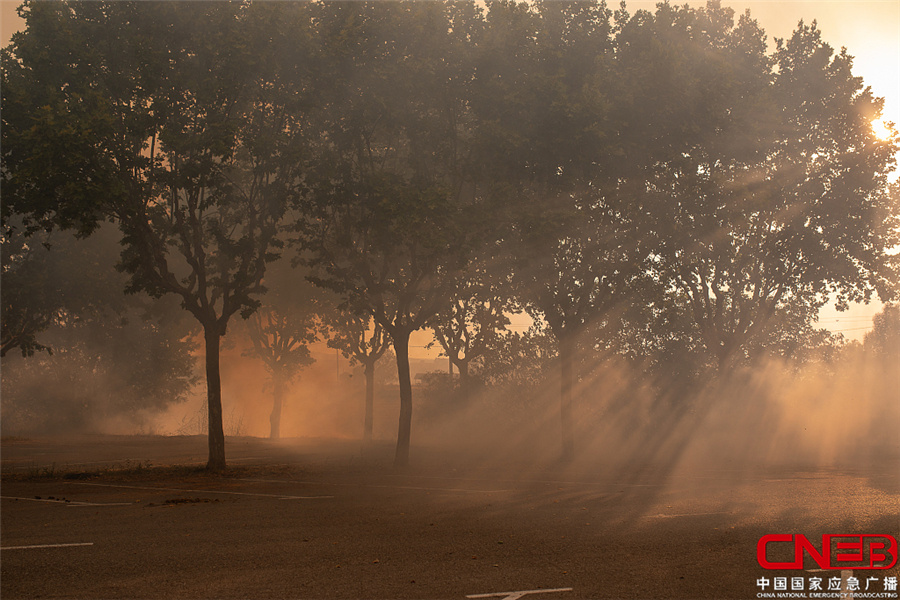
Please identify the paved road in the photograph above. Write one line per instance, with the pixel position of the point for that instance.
(302, 521)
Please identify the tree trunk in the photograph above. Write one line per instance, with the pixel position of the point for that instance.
(401, 348)
(567, 384)
(463, 367)
(214, 401)
(275, 417)
(370, 400)
(728, 357)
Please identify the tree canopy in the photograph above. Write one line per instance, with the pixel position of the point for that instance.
(166, 118)
(661, 178)
(391, 213)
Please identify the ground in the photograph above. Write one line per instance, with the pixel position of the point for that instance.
(137, 517)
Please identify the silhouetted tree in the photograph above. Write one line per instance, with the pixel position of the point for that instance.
(783, 200)
(884, 339)
(362, 340)
(281, 330)
(390, 219)
(112, 359)
(53, 279)
(473, 319)
(577, 247)
(280, 340)
(521, 359)
(168, 119)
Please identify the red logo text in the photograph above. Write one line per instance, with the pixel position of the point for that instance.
(837, 551)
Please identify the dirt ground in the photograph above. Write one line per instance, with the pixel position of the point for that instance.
(137, 517)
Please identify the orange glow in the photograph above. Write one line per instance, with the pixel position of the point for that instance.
(881, 129)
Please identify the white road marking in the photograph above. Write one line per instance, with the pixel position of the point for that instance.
(162, 489)
(517, 595)
(46, 546)
(69, 502)
(112, 464)
(123, 462)
(554, 482)
(371, 485)
(662, 516)
(542, 481)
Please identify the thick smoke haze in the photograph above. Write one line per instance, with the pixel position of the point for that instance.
(410, 299)
(701, 245)
(825, 414)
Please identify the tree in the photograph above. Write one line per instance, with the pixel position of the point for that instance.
(281, 330)
(280, 340)
(52, 279)
(782, 199)
(111, 359)
(521, 360)
(108, 370)
(167, 118)
(575, 235)
(471, 323)
(884, 339)
(361, 340)
(23, 315)
(390, 219)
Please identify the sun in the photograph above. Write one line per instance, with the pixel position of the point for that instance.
(881, 130)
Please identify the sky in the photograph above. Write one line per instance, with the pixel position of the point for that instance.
(869, 29)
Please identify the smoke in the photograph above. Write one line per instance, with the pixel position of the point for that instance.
(110, 374)
(775, 414)
(827, 413)
(325, 401)
(823, 416)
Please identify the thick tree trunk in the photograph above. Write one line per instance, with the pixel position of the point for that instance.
(401, 348)
(214, 401)
(567, 384)
(275, 417)
(370, 401)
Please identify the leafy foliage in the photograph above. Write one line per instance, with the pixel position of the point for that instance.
(169, 118)
(884, 339)
(391, 216)
(658, 185)
(755, 237)
(53, 280)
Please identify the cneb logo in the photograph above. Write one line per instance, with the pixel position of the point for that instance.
(850, 551)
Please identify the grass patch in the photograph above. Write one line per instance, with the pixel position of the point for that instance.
(145, 471)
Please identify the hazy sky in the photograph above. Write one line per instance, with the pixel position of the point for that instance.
(869, 29)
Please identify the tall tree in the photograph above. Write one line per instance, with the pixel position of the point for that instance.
(386, 227)
(783, 200)
(574, 235)
(167, 118)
